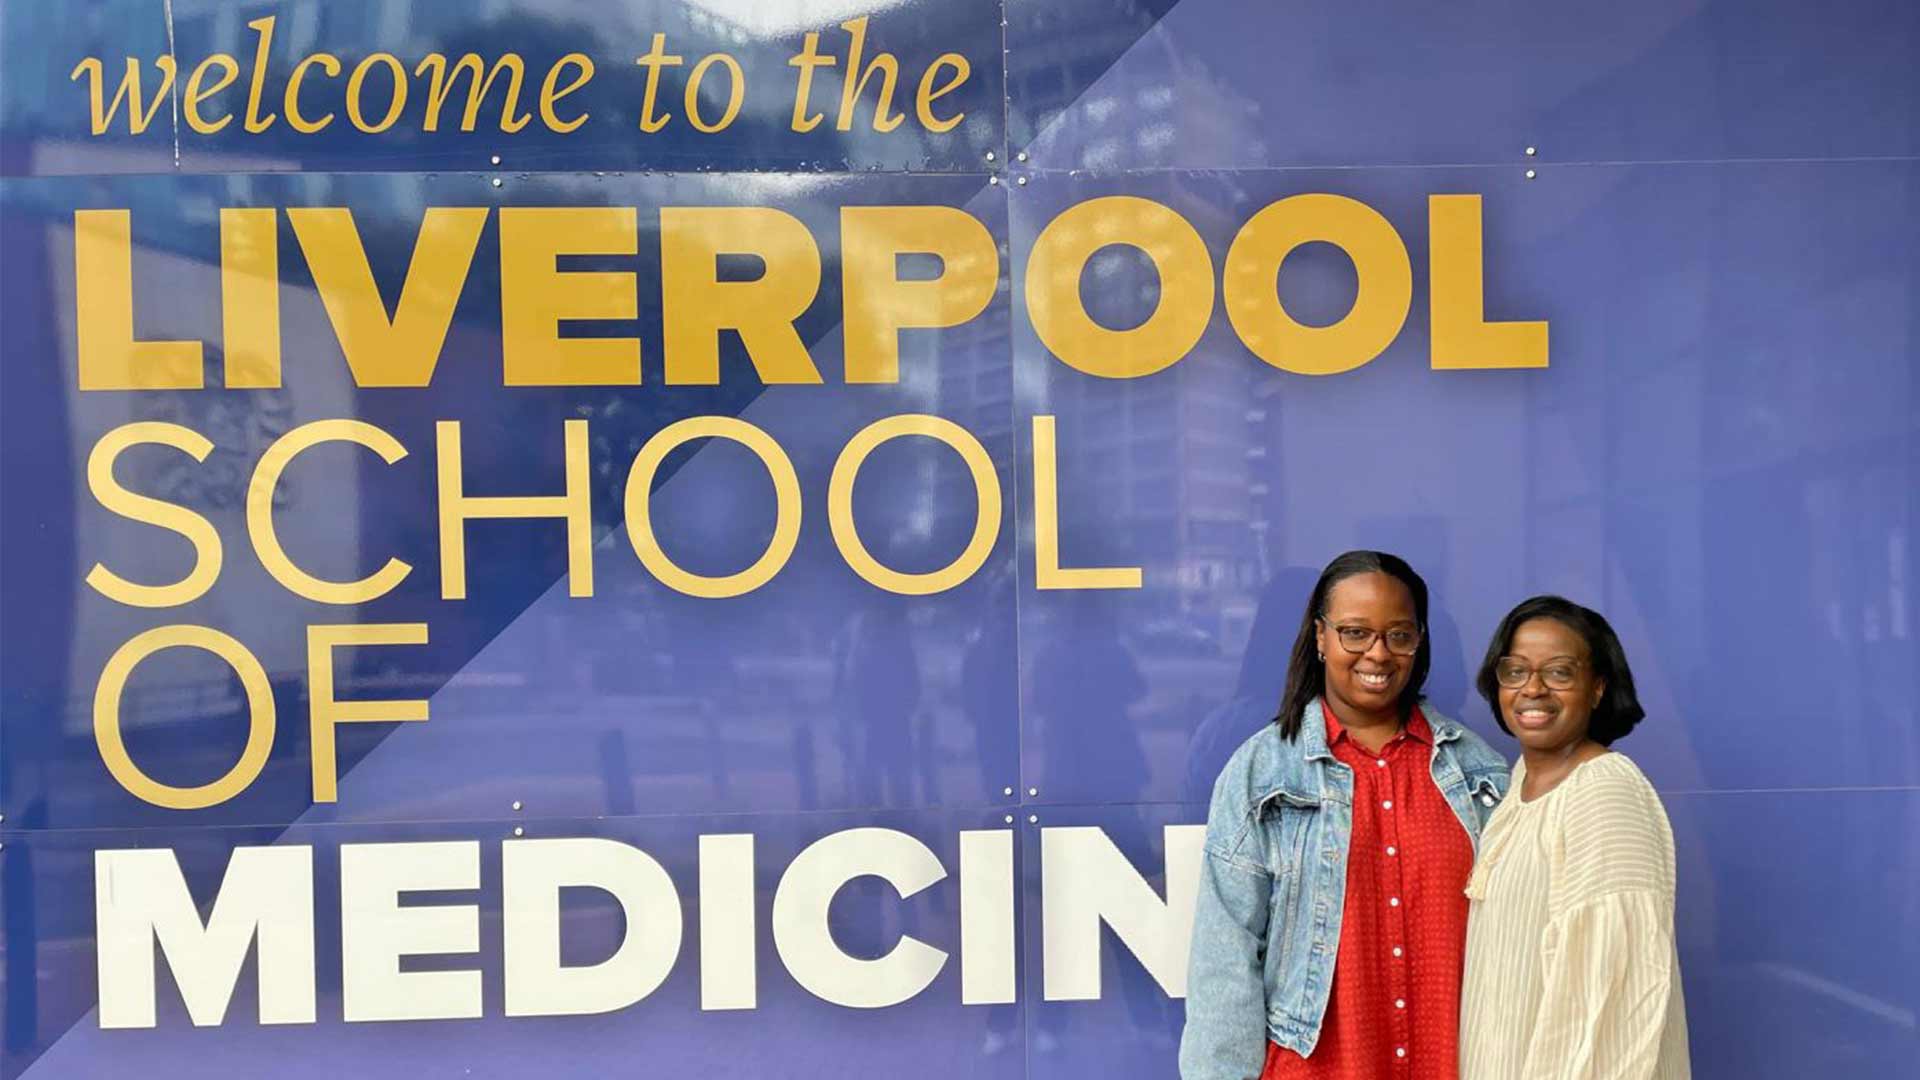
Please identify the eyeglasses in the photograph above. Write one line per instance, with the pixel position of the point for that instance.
(1514, 674)
(1401, 640)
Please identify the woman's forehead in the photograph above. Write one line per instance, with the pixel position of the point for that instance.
(1371, 594)
(1548, 635)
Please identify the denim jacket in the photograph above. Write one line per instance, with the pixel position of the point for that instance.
(1273, 884)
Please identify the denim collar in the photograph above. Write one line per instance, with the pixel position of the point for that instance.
(1303, 780)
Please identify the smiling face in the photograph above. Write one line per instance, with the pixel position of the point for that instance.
(1543, 716)
(1366, 686)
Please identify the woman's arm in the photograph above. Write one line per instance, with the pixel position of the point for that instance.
(1226, 1033)
(1608, 975)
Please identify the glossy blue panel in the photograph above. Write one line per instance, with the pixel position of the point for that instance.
(45, 118)
(1132, 1028)
(47, 130)
(1719, 456)
(815, 691)
(50, 885)
(1723, 455)
(1224, 84)
(1795, 918)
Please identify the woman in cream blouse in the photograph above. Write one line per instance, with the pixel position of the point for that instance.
(1571, 969)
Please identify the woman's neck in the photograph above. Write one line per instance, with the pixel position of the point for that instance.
(1547, 768)
(1372, 730)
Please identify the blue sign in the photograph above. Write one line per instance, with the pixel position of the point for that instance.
(540, 536)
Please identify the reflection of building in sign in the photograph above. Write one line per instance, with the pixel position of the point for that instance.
(1191, 117)
(1174, 460)
(1265, 490)
(1170, 461)
(241, 427)
(108, 31)
(1055, 67)
(975, 391)
(314, 26)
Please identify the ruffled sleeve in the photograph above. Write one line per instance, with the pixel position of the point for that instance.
(1608, 968)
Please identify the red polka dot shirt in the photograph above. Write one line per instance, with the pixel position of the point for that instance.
(1394, 1011)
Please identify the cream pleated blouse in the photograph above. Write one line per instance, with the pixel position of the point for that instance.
(1571, 970)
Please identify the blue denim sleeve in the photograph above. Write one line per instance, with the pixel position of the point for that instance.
(1226, 1033)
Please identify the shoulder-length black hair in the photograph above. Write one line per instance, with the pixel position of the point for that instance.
(1307, 676)
(1619, 709)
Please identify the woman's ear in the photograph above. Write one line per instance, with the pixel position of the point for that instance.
(1599, 692)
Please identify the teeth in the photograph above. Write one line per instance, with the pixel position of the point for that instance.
(1371, 679)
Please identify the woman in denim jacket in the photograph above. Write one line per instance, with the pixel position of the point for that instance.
(1331, 918)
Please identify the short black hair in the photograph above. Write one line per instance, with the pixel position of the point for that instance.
(1307, 675)
(1619, 708)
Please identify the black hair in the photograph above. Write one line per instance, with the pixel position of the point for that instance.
(1306, 674)
(1619, 708)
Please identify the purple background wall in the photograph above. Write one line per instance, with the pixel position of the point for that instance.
(1722, 226)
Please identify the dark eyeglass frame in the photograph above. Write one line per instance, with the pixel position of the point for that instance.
(1514, 673)
(1340, 635)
